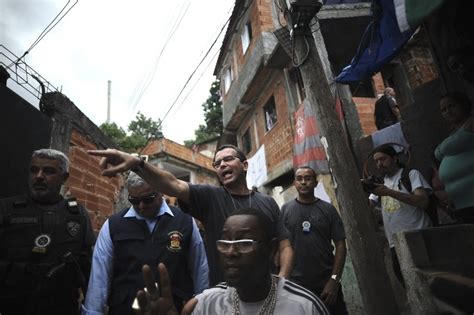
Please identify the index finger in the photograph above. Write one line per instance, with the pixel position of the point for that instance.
(164, 281)
(143, 302)
(105, 153)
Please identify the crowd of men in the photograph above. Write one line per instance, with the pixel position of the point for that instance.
(47, 263)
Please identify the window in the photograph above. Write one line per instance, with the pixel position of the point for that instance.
(246, 36)
(227, 78)
(295, 76)
(247, 141)
(270, 114)
(362, 88)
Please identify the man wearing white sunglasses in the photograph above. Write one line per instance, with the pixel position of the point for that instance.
(246, 248)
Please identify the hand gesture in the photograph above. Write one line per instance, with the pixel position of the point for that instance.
(381, 190)
(330, 292)
(114, 161)
(150, 301)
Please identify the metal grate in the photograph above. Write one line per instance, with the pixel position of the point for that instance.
(24, 75)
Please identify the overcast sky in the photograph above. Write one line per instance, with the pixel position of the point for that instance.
(121, 41)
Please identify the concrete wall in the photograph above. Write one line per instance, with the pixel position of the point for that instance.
(23, 130)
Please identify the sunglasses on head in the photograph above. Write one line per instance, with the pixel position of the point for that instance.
(147, 199)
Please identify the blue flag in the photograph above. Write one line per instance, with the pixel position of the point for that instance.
(381, 42)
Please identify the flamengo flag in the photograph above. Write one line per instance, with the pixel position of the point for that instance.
(308, 149)
(410, 13)
(393, 23)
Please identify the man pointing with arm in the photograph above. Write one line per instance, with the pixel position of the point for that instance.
(209, 204)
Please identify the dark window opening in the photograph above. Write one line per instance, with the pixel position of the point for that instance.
(362, 88)
(270, 114)
(295, 75)
(247, 142)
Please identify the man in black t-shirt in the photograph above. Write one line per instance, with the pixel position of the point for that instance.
(386, 111)
(313, 223)
(209, 204)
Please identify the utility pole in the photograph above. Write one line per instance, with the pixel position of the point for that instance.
(372, 277)
(109, 87)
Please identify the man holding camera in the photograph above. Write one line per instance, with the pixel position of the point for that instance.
(402, 206)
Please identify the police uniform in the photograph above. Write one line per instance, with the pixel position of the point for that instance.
(134, 246)
(45, 252)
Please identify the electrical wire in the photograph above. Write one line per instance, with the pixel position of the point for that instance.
(190, 77)
(194, 71)
(202, 73)
(141, 90)
(195, 83)
(297, 65)
(47, 29)
(202, 60)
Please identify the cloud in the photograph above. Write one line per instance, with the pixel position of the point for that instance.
(119, 40)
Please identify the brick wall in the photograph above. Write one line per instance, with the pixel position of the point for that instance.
(279, 140)
(97, 193)
(365, 108)
(378, 83)
(265, 16)
(261, 21)
(418, 62)
(179, 151)
(366, 105)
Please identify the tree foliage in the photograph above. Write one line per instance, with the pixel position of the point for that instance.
(212, 116)
(139, 130)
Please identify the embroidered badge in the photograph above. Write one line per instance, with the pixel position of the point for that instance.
(42, 241)
(73, 228)
(175, 241)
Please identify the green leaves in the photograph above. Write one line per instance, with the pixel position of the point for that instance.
(212, 115)
(140, 131)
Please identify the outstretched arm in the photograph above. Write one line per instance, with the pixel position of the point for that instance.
(113, 161)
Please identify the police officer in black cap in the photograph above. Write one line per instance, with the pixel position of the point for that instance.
(45, 243)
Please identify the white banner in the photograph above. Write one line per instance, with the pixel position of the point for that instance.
(257, 170)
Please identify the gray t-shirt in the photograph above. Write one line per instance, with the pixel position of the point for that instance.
(212, 205)
(291, 299)
(399, 216)
(313, 250)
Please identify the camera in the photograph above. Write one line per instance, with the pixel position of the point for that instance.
(368, 184)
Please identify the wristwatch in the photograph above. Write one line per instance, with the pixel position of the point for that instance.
(336, 278)
(139, 166)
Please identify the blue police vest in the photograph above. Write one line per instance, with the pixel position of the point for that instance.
(135, 246)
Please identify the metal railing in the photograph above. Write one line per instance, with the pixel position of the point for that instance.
(25, 76)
